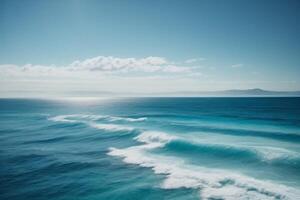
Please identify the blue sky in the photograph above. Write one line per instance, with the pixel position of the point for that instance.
(203, 45)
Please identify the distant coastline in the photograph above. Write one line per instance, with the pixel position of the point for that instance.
(256, 92)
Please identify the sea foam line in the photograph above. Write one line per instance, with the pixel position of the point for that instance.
(212, 184)
(74, 117)
(111, 127)
(129, 119)
(89, 120)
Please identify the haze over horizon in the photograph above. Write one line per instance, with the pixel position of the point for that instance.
(147, 47)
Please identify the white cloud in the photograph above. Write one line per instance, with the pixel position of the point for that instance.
(149, 74)
(193, 60)
(237, 65)
(110, 63)
(100, 64)
(176, 69)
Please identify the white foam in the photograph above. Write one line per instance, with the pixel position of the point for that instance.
(127, 119)
(111, 127)
(76, 117)
(154, 137)
(276, 153)
(62, 118)
(211, 183)
(89, 120)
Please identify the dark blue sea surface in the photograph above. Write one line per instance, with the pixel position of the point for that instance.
(150, 148)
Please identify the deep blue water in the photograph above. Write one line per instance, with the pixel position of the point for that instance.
(150, 148)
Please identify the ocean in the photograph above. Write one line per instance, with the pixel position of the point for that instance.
(150, 148)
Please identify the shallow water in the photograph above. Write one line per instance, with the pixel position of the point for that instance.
(150, 148)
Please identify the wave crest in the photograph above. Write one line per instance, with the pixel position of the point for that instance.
(90, 120)
(154, 137)
(111, 127)
(77, 117)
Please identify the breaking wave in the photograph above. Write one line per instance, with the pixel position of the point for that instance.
(91, 120)
(78, 117)
(211, 183)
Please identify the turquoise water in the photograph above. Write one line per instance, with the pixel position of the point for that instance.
(150, 148)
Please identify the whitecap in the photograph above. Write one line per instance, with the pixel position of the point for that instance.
(154, 137)
(89, 120)
(111, 127)
(128, 119)
(275, 153)
(75, 117)
(61, 118)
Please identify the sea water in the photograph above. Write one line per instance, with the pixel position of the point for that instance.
(150, 148)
